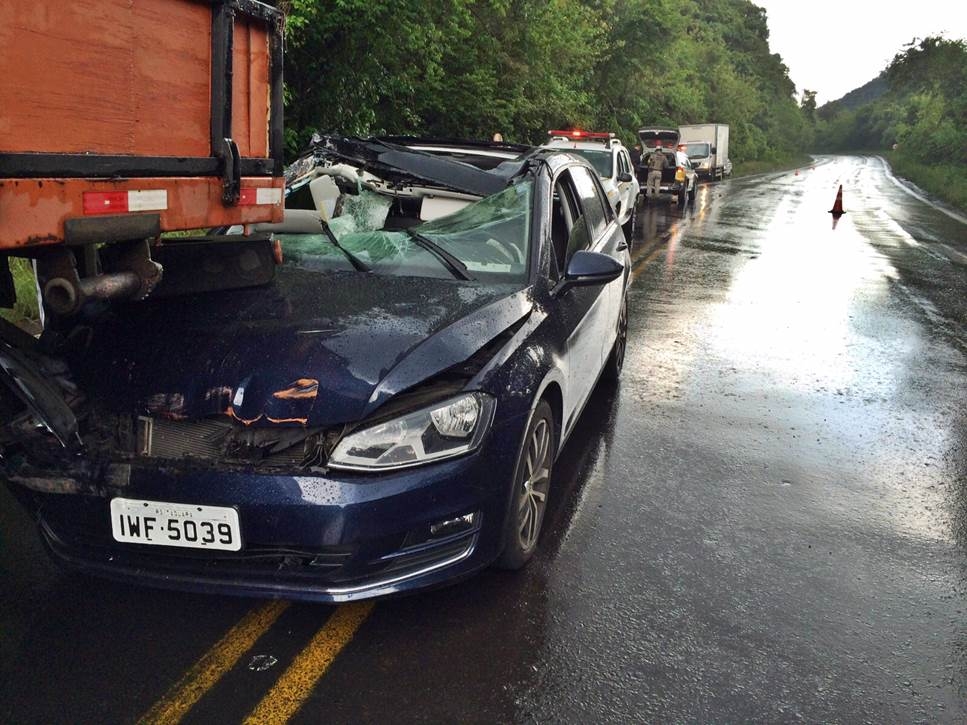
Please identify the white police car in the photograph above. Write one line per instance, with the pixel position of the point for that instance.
(611, 160)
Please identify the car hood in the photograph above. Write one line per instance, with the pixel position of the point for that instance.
(311, 349)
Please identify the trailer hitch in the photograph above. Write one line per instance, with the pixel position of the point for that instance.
(132, 275)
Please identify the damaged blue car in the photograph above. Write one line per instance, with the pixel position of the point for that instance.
(376, 408)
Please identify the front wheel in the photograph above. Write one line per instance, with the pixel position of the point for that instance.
(691, 192)
(616, 360)
(629, 226)
(682, 196)
(532, 480)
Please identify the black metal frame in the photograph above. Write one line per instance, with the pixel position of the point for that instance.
(224, 160)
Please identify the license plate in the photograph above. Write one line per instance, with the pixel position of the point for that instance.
(175, 524)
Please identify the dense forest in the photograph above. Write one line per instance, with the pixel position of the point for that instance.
(471, 68)
(919, 104)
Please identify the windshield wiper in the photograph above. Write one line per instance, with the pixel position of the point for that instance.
(358, 264)
(457, 268)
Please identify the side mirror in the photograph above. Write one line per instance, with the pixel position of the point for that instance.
(587, 269)
(624, 177)
(713, 150)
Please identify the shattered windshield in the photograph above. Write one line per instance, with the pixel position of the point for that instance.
(489, 237)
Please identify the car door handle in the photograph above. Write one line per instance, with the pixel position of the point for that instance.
(622, 246)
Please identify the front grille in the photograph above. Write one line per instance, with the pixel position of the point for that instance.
(176, 439)
(210, 439)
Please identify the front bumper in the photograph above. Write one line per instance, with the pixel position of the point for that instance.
(315, 537)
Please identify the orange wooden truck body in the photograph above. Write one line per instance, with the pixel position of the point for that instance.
(128, 117)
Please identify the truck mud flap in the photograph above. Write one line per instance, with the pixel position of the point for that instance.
(218, 263)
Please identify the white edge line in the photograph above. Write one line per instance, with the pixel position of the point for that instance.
(889, 174)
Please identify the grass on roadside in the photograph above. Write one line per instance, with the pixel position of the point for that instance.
(748, 168)
(946, 181)
(23, 280)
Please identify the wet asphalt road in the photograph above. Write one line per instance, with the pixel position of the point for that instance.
(766, 521)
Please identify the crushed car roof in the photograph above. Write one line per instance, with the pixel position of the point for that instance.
(396, 160)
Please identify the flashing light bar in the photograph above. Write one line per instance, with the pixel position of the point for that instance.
(577, 133)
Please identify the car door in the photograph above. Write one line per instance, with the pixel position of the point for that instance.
(627, 190)
(589, 312)
(610, 240)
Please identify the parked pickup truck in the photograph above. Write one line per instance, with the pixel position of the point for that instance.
(126, 119)
(707, 147)
(678, 178)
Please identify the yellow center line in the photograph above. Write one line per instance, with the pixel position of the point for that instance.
(297, 682)
(639, 266)
(213, 665)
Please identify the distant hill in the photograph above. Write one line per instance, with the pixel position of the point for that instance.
(854, 99)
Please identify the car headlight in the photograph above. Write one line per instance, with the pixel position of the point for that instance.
(444, 430)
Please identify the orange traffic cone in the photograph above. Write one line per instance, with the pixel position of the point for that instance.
(837, 209)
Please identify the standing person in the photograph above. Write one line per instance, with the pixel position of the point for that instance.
(656, 162)
(635, 156)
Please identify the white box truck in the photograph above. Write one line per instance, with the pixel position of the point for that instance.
(707, 147)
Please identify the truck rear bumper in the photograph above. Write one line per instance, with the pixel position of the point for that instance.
(39, 211)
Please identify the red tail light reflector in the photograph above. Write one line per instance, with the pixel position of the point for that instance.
(122, 202)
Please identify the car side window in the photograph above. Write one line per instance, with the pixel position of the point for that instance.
(565, 213)
(624, 166)
(593, 206)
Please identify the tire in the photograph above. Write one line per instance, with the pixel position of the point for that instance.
(616, 360)
(682, 196)
(532, 480)
(631, 225)
(691, 193)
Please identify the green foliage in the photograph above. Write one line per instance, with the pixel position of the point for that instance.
(946, 181)
(783, 162)
(26, 287)
(808, 104)
(468, 68)
(923, 111)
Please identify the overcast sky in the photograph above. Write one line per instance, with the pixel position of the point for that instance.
(834, 46)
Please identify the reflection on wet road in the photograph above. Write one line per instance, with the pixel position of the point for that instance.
(766, 520)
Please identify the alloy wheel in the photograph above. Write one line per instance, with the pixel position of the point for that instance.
(536, 476)
(621, 342)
